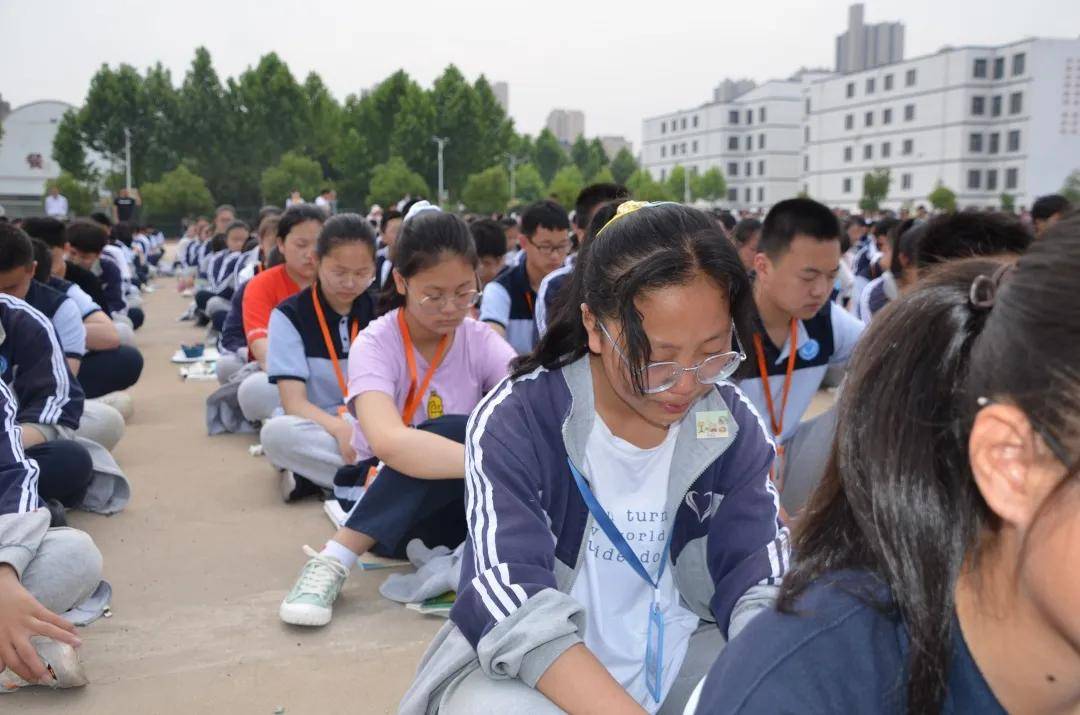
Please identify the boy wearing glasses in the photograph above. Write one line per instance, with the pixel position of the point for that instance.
(509, 301)
(799, 333)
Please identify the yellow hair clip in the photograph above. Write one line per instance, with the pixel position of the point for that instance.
(629, 207)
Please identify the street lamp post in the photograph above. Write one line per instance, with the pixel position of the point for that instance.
(514, 161)
(442, 142)
(127, 157)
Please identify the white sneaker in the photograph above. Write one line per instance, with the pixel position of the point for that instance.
(62, 662)
(311, 600)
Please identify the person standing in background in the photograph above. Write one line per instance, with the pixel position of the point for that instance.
(124, 205)
(56, 204)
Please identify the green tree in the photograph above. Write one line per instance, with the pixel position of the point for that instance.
(323, 120)
(487, 192)
(412, 135)
(598, 158)
(393, 180)
(677, 182)
(579, 154)
(205, 132)
(710, 186)
(352, 162)
(179, 193)
(604, 176)
(295, 172)
(1071, 188)
(550, 156)
(1008, 203)
(644, 188)
(80, 194)
(68, 149)
(528, 184)
(942, 198)
(566, 185)
(623, 166)
(875, 189)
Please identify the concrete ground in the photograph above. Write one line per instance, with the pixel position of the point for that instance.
(200, 560)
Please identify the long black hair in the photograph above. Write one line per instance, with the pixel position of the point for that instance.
(898, 498)
(653, 247)
(425, 240)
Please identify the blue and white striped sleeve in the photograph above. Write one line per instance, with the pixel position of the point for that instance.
(508, 604)
(18, 473)
(44, 382)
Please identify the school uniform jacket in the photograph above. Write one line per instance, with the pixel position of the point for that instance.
(222, 273)
(528, 527)
(22, 521)
(86, 304)
(112, 285)
(508, 301)
(64, 314)
(32, 364)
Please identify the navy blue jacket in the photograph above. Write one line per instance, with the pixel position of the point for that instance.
(32, 361)
(18, 475)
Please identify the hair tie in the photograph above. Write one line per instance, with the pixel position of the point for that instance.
(629, 207)
(984, 289)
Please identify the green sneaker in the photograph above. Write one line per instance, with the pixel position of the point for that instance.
(311, 600)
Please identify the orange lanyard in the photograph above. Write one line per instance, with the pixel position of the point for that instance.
(777, 422)
(529, 300)
(331, 346)
(412, 401)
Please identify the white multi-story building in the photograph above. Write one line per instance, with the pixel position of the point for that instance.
(755, 138)
(983, 121)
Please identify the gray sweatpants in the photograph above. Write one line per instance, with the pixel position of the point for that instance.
(228, 364)
(61, 567)
(303, 447)
(217, 304)
(259, 400)
(101, 423)
(806, 454)
(477, 693)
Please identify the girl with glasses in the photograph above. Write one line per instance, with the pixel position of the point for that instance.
(622, 523)
(413, 377)
(937, 568)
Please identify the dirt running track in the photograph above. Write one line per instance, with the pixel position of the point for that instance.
(200, 560)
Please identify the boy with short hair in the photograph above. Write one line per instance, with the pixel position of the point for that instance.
(799, 334)
(509, 301)
(1046, 211)
(491, 247)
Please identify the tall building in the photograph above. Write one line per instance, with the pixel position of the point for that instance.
(982, 120)
(566, 124)
(729, 89)
(502, 94)
(865, 46)
(614, 144)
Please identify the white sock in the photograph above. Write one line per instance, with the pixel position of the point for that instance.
(342, 553)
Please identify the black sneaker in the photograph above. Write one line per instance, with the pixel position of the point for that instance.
(57, 513)
(295, 487)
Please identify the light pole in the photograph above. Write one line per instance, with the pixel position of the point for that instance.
(514, 160)
(686, 186)
(127, 157)
(442, 142)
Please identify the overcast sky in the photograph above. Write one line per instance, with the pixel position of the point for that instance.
(615, 63)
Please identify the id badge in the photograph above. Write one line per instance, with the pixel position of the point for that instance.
(654, 653)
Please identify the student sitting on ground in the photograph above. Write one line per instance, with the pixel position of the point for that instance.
(618, 490)
(490, 248)
(745, 236)
(297, 233)
(424, 364)
(967, 234)
(798, 334)
(899, 255)
(389, 228)
(87, 241)
(588, 201)
(43, 572)
(510, 300)
(213, 302)
(310, 337)
(937, 567)
(1048, 210)
(118, 248)
(258, 250)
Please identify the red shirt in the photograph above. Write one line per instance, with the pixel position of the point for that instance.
(262, 295)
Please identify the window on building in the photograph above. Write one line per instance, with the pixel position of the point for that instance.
(909, 147)
(995, 106)
(733, 168)
(1013, 142)
(978, 106)
(733, 116)
(761, 115)
(746, 194)
(870, 82)
(847, 153)
(761, 141)
(909, 78)
(1018, 64)
(1016, 102)
(695, 121)
(674, 149)
(847, 186)
(732, 194)
(761, 167)
(749, 142)
(974, 179)
(886, 150)
(993, 143)
(999, 68)
(888, 82)
(733, 143)
(868, 120)
(975, 142)
(980, 69)
(905, 181)
(849, 121)
(749, 116)
(663, 151)
(806, 134)
(868, 152)
(1011, 178)
(663, 174)
(806, 162)
(761, 194)
(693, 146)
(991, 179)
(850, 89)
(886, 116)
(807, 106)
(909, 112)
(749, 168)
(683, 148)
(683, 123)
(693, 171)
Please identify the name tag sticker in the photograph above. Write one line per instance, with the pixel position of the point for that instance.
(712, 424)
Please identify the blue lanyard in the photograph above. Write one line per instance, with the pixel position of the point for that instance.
(614, 535)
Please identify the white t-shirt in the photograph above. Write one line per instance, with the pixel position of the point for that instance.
(56, 206)
(631, 485)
